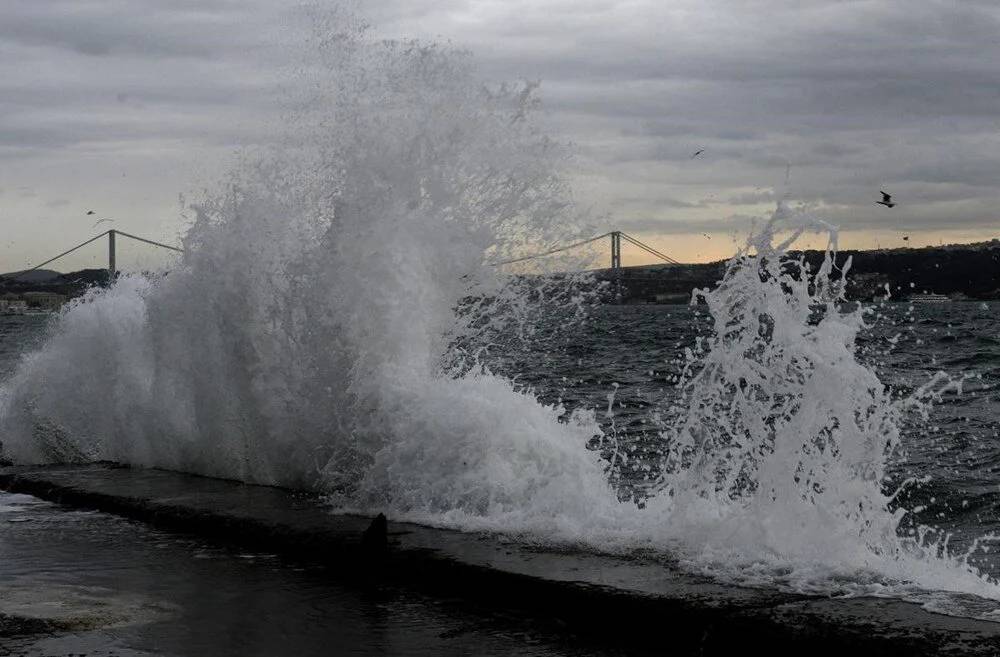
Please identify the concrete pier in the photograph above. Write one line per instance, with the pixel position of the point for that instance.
(628, 605)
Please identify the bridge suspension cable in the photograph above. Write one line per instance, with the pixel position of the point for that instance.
(143, 239)
(550, 252)
(111, 250)
(646, 247)
(615, 236)
(67, 252)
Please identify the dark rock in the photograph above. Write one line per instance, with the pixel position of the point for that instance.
(375, 539)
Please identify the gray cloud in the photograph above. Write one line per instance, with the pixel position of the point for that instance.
(753, 198)
(824, 102)
(977, 169)
(734, 223)
(660, 201)
(139, 29)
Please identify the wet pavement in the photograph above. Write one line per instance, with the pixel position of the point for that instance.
(83, 582)
(88, 583)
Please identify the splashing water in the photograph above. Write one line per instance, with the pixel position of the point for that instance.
(782, 438)
(306, 326)
(330, 326)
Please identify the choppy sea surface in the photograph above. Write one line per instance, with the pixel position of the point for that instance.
(18, 334)
(624, 361)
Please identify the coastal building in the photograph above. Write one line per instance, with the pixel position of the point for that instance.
(44, 300)
(11, 304)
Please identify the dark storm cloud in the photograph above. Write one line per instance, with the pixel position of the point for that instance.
(823, 102)
(113, 74)
(963, 215)
(978, 170)
(735, 223)
(138, 29)
(850, 95)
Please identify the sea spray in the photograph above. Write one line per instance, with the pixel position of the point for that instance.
(780, 413)
(308, 334)
(775, 461)
(335, 322)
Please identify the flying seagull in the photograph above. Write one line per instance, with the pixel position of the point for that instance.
(697, 153)
(101, 221)
(886, 200)
(89, 212)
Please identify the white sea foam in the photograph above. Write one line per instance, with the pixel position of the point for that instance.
(325, 327)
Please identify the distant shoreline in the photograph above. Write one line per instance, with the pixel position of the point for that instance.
(960, 272)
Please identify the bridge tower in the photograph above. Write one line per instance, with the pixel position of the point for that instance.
(111, 257)
(616, 262)
(112, 265)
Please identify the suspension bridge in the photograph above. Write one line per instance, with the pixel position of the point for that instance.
(616, 237)
(628, 284)
(616, 250)
(112, 267)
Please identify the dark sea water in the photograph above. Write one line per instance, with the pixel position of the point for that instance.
(624, 361)
(18, 334)
(632, 355)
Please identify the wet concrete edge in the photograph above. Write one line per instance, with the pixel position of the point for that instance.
(637, 605)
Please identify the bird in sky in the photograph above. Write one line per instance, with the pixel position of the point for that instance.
(697, 153)
(90, 212)
(906, 238)
(886, 200)
(706, 236)
(101, 221)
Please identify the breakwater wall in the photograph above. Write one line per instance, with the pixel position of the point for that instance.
(640, 606)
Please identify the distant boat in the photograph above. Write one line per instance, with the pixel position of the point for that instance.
(929, 298)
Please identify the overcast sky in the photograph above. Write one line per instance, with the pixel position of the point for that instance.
(119, 107)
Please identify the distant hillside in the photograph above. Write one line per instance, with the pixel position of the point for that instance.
(35, 276)
(46, 280)
(971, 271)
(961, 271)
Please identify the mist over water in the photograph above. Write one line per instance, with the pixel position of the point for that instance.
(336, 323)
